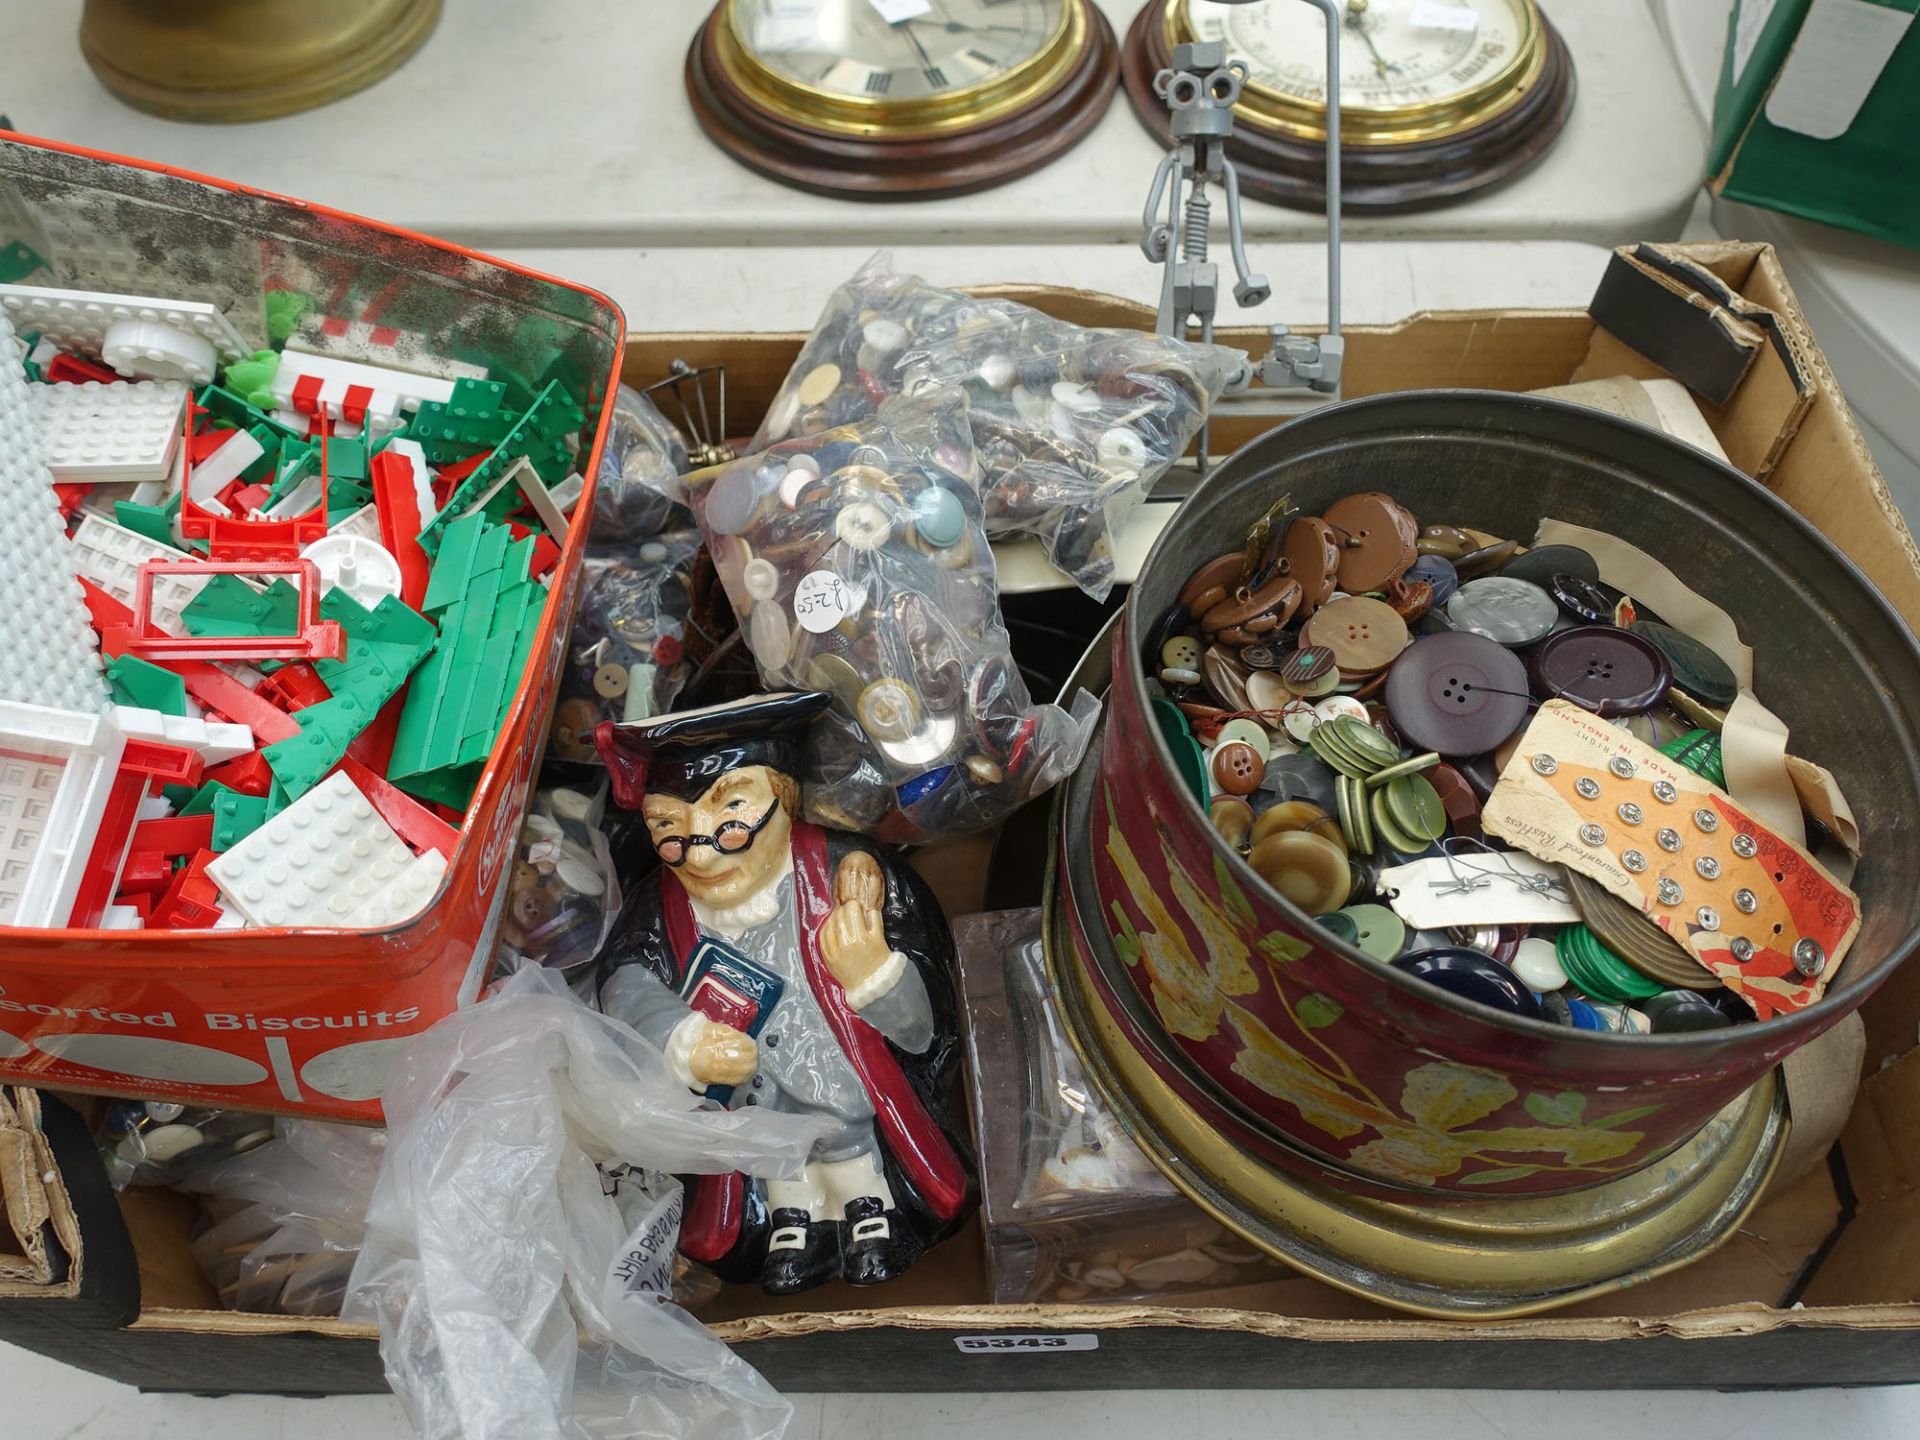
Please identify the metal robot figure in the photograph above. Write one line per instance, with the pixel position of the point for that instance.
(1200, 88)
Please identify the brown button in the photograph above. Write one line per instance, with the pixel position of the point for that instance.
(1296, 815)
(1306, 670)
(1308, 869)
(1364, 635)
(1265, 610)
(1212, 583)
(1380, 536)
(1410, 599)
(1226, 678)
(1232, 817)
(1312, 556)
(1447, 541)
(1237, 768)
(1457, 799)
(1485, 560)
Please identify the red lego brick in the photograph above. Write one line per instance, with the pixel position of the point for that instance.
(192, 901)
(71, 369)
(176, 835)
(249, 774)
(293, 687)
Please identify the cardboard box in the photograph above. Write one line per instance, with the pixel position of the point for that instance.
(1840, 1237)
(1815, 113)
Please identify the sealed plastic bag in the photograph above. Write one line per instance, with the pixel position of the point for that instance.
(154, 1142)
(626, 658)
(520, 1237)
(639, 493)
(1072, 425)
(563, 894)
(857, 564)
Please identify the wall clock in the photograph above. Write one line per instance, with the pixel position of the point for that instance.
(900, 99)
(1441, 98)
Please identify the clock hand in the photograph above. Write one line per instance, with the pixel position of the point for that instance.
(1355, 9)
(906, 28)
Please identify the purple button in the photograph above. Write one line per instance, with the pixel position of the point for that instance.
(1458, 693)
(1599, 668)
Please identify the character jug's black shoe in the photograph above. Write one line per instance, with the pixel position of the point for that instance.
(801, 1253)
(877, 1245)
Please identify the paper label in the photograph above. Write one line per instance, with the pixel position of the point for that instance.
(1023, 1344)
(894, 11)
(1475, 887)
(1836, 60)
(821, 601)
(645, 1263)
(1432, 15)
(1747, 26)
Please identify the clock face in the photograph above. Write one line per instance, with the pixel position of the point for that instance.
(896, 50)
(1394, 54)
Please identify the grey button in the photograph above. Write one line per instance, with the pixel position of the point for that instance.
(1667, 839)
(1709, 917)
(1670, 892)
(1622, 767)
(1665, 792)
(1809, 959)
(1504, 610)
(753, 1099)
(1706, 820)
(1593, 834)
(771, 1040)
(1745, 901)
(1634, 861)
(1745, 846)
(1741, 947)
(757, 1080)
(1544, 764)
(1587, 787)
(1708, 867)
(1630, 812)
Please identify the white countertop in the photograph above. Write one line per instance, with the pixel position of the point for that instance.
(564, 123)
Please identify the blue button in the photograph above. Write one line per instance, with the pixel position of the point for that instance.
(938, 517)
(921, 786)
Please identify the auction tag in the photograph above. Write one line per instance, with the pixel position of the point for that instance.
(1431, 15)
(821, 601)
(894, 11)
(1023, 1344)
(654, 1206)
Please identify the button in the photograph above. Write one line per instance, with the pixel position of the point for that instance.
(1188, 758)
(1306, 868)
(1260, 657)
(1485, 560)
(1379, 538)
(1545, 764)
(863, 526)
(1669, 891)
(1511, 612)
(833, 674)
(1623, 767)
(1457, 693)
(1708, 867)
(1666, 792)
(888, 709)
(1438, 572)
(1539, 565)
(1708, 917)
(1593, 834)
(1311, 670)
(1237, 767)
(1594, 601)
(1264, 690)
(1336, 707)
(1707, 821)
(884, 335)
(1674, 1012)
(1377, 931)
(1212, 582)
(1364, 635)
(1122, 450)
(1412, 765)
(761, 577)
(1077, 398)
(1182, 652)
(1697, 670)
(1634, 860)
(1587, 788)
(1265, 610)
(1232, 819)
(1472, 976)
(1312, 554)
(795, 482)
(1248, 732)
(1537, 966)
(769, 636)
(818, 383)
(610, 681)
(1299, 719)
(1809, 959)
(925, 747)
(1745, 901)
(939, 519)
(1296, 815)
(1668, 839)
(1610, 672)
(1447, 540)
(1745, 846)
(1356, 819)
(1456, 795)
(1415, 807)
(731, 502)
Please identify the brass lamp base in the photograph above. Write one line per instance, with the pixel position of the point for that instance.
(233, 60)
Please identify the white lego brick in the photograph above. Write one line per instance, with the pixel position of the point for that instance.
(57, 769)
(99, 433)
(377, 391)
(213, 741)
(402, 897)
(229, 920)
(153, 807)
(567, 493)
(78, 321)
(315, 863)
(42, 353)
(381, 345)
(50, 654)
(363, 523)
(121, 917)
(223, 466)
(110, 555)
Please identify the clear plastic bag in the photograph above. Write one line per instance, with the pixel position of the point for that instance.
(626, 658)
(520, 1237)
(857, 564)
(563, 893)
(155, 1142)
(1072, 425)
(639, 492)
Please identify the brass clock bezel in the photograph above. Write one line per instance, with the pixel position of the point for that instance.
(1362, 124)
(966, 107)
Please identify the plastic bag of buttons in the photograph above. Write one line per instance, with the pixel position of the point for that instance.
(640, 492)
(563, 893)
(155, 1142)
(856, 559)
(1072, 426)
(626, 659)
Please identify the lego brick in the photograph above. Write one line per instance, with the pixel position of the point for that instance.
(475, 417)
(19, 260)
(240, 452)
(402, 897)
(121, 917)
(522, 480)
(313, 864)
(383, 345)
(360, 394)
(50, 656)
(539, 435)
(364, 522)
(213, 741)
(178, 835)
(105, 434)
(236, 816)
(81, 320)
(111, 555)
(229, 605)
(57, 772)
(312, 638)
(134, 681)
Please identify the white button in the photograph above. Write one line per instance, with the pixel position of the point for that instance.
(863, 526)
(1122, 450)
(884, 335)
(1334, 706)
(1252, 732)
(1537, 966)
(761, 577)
(1298, 719)
(1077, 398)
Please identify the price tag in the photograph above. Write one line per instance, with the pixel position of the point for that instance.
(1432, 15)
(894, 11)
(1023, 1344)
(821, 601)
(645, 1263)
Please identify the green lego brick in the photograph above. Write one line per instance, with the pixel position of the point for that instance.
(268, 438)
(476, 418)
(452, 786)
(346, 460)
(299, 460)
(227, 605)
(545, 426)
(236, 816)
(17, 261)
(345, 497)
(472, 547)
(252, 378)
(147, 686)
(239, 412)
(183, 796)
(384, 646)
(153, 521)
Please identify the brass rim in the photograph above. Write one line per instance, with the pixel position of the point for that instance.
(966, 108)
(1483, 1260)
(1276, 110)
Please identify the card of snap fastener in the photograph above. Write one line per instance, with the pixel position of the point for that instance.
(1782, 923)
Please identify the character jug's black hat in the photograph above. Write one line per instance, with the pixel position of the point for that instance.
(683, 753)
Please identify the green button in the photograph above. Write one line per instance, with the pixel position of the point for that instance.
(1392, 833)
(1415, 806)
(1377, 930)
